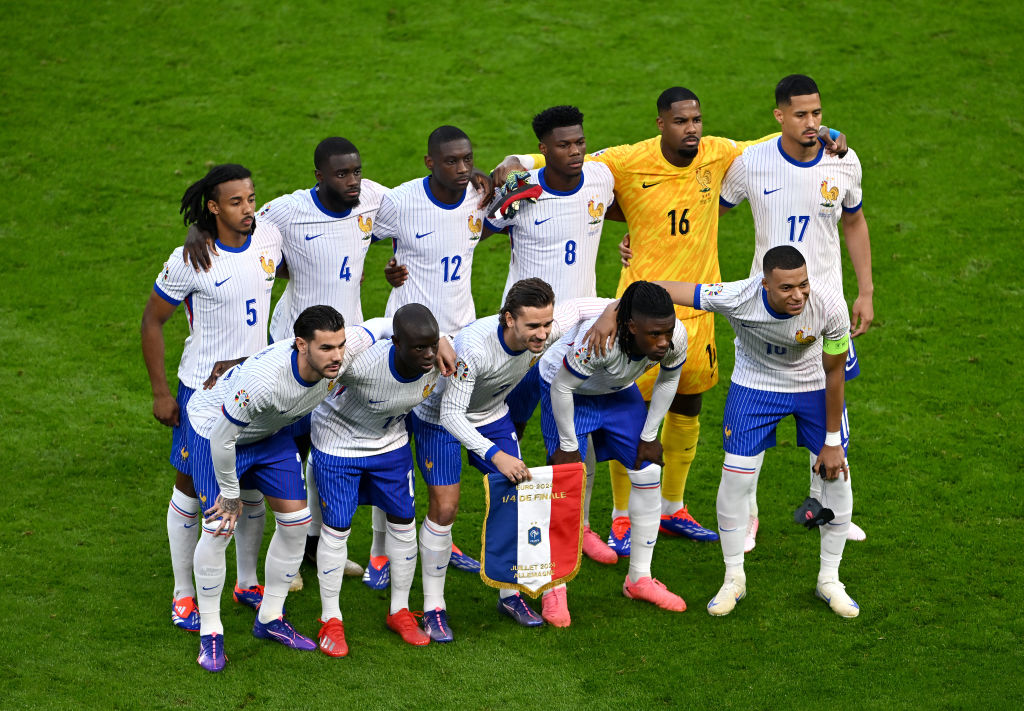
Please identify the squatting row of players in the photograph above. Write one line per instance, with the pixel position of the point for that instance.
(609, 374)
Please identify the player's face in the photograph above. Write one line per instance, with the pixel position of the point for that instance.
(531, 328)
(418, 352)
(452, 165)
(340, 180)
(787, 289)
(800, 119)
(564, 149)
(235, 205)
(653, 336)
(323, 353)
(681, 127)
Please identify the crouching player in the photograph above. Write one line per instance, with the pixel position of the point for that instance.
(239, 436)
(494, 354)
(361, 454)
(583, 392)
(785, 333)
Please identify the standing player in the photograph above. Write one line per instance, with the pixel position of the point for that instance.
(494, 354)
(435, 224)
(798, 193)
(361, 454)
(227, 311)
(785, 333)
(239, 434)
(584, 393)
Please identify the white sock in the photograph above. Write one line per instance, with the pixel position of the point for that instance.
(210, 569)
(734, 506)
(435, 552)
(400, 548)
(619, 513)
(591, 465)
(182, 533)
(644, 517)
(838, 496)
(506, 592)
(249, 537)
(313, 499)
(379, 522)
(331, 554)
(670, 507)
(284, 555)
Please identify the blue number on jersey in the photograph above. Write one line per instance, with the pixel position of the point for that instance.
(346, 272)
(792, 220)
(393, 418)
(570, 252)
(456, 262)
(779, 350)
(250, 312)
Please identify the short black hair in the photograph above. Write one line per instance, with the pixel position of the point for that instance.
(443, 134)
(193, 202)
(527, 293)
(782, 257)
(318, 318)
(414, 320)
(641, 298)
(334, 146)
(556, 117)
(674, 94)
(794, 85)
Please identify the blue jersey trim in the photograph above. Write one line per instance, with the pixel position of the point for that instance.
(772, 312)
(236, 250)
(295, 371)
(672, 367)
(725, 203)
(313, 193)
(372, 339)
(433, 199)
(696, 297)
(491, 452)
(492, 227)
(560, 193)
(232, 420)
(165, 296)
(565, 362)
(853, 209)
(394, 370)
(501, 340)
(799, 164)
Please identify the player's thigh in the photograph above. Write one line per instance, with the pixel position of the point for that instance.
(337, 483)
(273, 466)
(751, 417)
(811, 423)
(438, 452)
(623, 415)
(502, 433)
(179, 445)
(389, 484)
(586, 418)
(204, 480)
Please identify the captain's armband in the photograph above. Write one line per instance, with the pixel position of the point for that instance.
(837, 347)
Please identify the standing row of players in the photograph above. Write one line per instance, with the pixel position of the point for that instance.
(322, 234)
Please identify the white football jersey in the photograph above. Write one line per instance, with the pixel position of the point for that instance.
(435, 241)
(614, 370)
(797, 204)
(366, 415)
(486, 370)
(227, 307)
(325, 252)
(556, 238)
(266, 392)
(776, 351)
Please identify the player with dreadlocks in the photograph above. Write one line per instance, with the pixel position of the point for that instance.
(228, 308)
(585, 391)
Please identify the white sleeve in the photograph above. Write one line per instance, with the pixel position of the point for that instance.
(724, 297)
(526, 159)
(569, 313)
(380, 328)
(854, 198)
(662, 395)
(454, 403)
(563, 408)
(386, 224)
(222, 451)
(734, 186)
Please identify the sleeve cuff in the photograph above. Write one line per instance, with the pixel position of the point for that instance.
(491, 226)
(696, 297)
(491, 452)
(565, 362)
(171, 300)
(372, 339)
(232, 420)
(855, 208)
(725, 203)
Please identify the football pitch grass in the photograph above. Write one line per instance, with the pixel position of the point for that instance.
(109, 110)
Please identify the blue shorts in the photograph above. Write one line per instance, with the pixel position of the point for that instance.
(852, 364)
(271, 465)
(384, 480)
(748, 425)
(614, 421)
(522, 401)
(302, 427)
(439, 453)
(179, 445)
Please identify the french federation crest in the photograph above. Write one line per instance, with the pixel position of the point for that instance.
(801, 338)
(476, 228)
(429, 388)
(365, 226)
(830, 194)
(596, 210)
(703, 179)
(533, 536)
(268, 267)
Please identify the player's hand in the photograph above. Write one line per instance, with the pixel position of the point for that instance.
(445, 356)
(198, 246)
(625, 253)
(514, 469)
(560, 456)
(862, 315)
(482, 182)
(395, 273)
(831, 463)
(227, 510)
(165, 410)
(506, 166)
(219, 368)
(599, 339)
(649, 452)
(837, 147)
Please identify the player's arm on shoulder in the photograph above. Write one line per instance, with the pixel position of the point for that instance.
(157, 312)
(858, 244)
(682, 293)
(198, 246)
(600, 337)
(516, 162)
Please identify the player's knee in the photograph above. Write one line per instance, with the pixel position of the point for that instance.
(401, 529)
(334, 538)
(293, 524)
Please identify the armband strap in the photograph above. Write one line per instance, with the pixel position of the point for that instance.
(833, 439)
(837, 347)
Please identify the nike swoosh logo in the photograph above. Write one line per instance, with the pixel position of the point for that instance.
(328, 572)
(747, 325)
(651, 543)
(257, 515)
(441, 567)
(644, 184)
(211, 588)
(729, 530)
(410, 557)
(421, 236)
(541, 222)
(769, 192)
(193, 525)
(376, 402)
(309, 237)
(292, 575)
(218, 283)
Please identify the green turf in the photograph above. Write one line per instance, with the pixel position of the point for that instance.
(109, 110)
